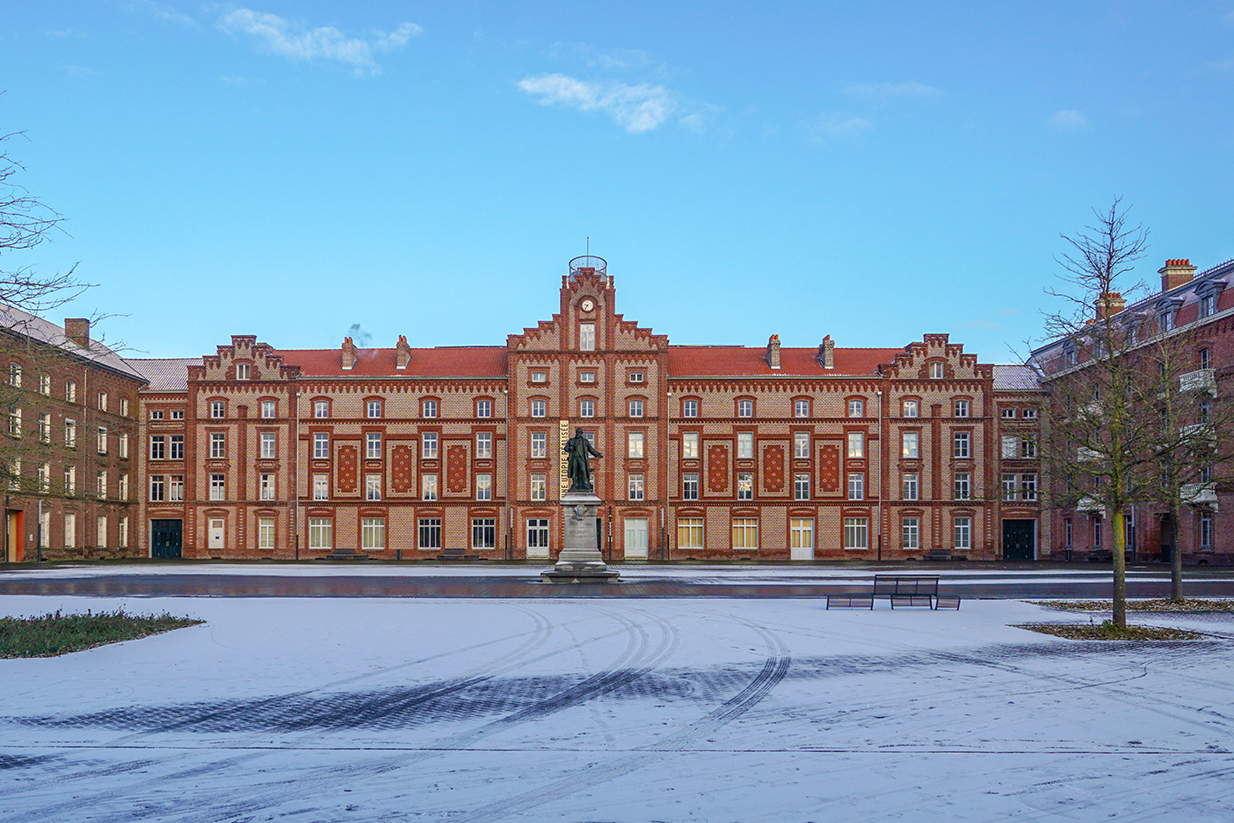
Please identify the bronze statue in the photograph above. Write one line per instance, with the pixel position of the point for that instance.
(578, 466)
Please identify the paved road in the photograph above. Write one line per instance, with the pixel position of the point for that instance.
(641, 582)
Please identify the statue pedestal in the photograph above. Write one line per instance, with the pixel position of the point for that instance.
(580, 560)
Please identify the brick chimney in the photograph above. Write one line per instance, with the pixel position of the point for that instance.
(402, 352)
(826, 353)
(1109, 304)
(349, 354)
(1176, 273)
(773, 351)
(77, 329)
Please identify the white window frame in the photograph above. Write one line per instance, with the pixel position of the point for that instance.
(265, 486)
(321, 533)
(428, 486)
(321, 409)
(539, 487)
(484, 486)
(269, 409)
(269, 445)
(586, 336)
(961, 445)
(962, 533)
(586, 408)
(218, 445)
(372, 486)
(218, 486)
(539, 445)
(690, 533)
(428, 445)
(484, 408)
(689, 486)
(689, 408)
(265, 533)
(539, 407)
(745, 485)
(856, 444)
(635, 486)
(910, 486)
(801, 445)
(745, 445)
(745, 533)
(321, 486)
(372, 409)
(745, 408)
(484, 445)
(801, 408)
(856, 407)
(689, 445)
(636, 407)
(909, 408)
(636, 443)
(910, 533)
(801, 486)
(856, 486)
(857, 533)
(428, 534)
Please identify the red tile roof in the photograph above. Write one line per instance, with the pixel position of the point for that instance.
(446, 361)
(717, 361)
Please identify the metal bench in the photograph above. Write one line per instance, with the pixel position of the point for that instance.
(850, 601)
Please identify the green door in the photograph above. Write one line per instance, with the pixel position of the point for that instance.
(1019, 539)
(165, 539)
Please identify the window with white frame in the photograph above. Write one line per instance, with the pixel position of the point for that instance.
(634, 487)
(429, 534)
(484, 445)
(1009, 448)
(15, 474)
(689, 445)
(484, 408)
(44, 384)
(962, 486)
(175, 487)
(269, 409)
(122, 491)
(100, 485)
(537, 536)
(801, 408)
(321, 409)
(242, 371)
(372, 533)
(539, 407)
(1008, 413)
(963, 533)
(44, 476)
(1010, 486)
(156, 414)
(636, 377)
(321, 487)
(856, 533)
(745, 486)
(856, 444)
(586, 408)
(587, 336)
(1206, 532)
(218, 445)
(44, 427)
(176, 446)
(856, 407)
(15, 423)
(960, 445)
(910, 533)
(689, 408)
(909, 408)
(937, 370)
(856, 486)
(910, 486)
(636, 407)
(539, 376)
(177, 414)
(587, 377)
(689, 486)
(539, 444)
(70, 391)
(158, 488)
(961, 407)
(690, 533)
(539, 487)
(484, 487)
(801, 445)
(265, 533)
(1029, 414)
(1028, 486)
(801, 486)
(265, 487)
(269, 445)
(372, 487)
(14, 375)
(218, 408)
(745, 533)
(428, 445)
(123, 536)
(123, 440)
(372, 445)
(428, 487)
(218, 487)
(372, 409)
(321, 533)
(70, 530)
(483, 532)
(428, 408)
(70, 480)
(634, 444)
(745, 408)
(745, 445)
(1028, 447)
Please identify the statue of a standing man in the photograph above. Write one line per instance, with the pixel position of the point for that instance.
(578, 466)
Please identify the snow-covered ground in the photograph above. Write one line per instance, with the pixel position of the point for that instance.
(592, 710)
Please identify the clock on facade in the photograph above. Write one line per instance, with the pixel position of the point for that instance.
(588, 304)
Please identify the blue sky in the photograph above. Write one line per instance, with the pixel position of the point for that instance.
(873, 171)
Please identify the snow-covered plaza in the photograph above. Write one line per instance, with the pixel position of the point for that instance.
(391, 709)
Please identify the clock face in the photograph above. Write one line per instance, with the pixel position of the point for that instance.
(588, 305)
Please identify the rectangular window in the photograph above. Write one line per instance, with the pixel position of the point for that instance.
(265, 533)
(321, 409)
(1010, 486)
(961, 408)
(428, 408)
(910, 533)
(484, 445)
(265, 487)
(745, 408)
(539, 488)
(910, 486)
(963, 486)
(102, 401)
(372, 409)
(745, 445)
(428, 445)
(44, 427)
(801, 486)
(745, 486)
(483, 532)
(102, 440)
(801, 408)
(1029, 414)
(158, 447)
(14, 375)
(321, 487)
(689, 486)
(856, 533)
(1206, 531)
(586, 408)
(70, 530)
(539, 377)
(636, 377)
(177, 414)
(123, 537)
(218, 408)
(636, 408)
(321, 445)
(963, 533)
(586, 377)
(100, 485)
(856, 486)
(936, 371)
(175, 487)
(15, 422)
(1028, 486)
(269, 410)
(44, 476)
(539, 408)
(960, 445)
(70, 391)
(1008, 413)
(635, 489)
(690, 533)
(70, 480)
(1009, 447)
(484, 408)
(158, 488)
(539, 444)
(321, 533)
(1028, 447)
(218, 487)
(910, 408)
(801, 445)
(428, 487)
(372, 445)
(123, 491)
(70, 433)
(372, 487)
(689, 408)
(218, 445)
(745, 533)
(587, 336)
(537, 536)
(177, 447)
(856, 407)
(269, 443)
(634, 444)
(689, 445)
(242, 371)
(429, 536)
(45, 383)
(484, 487)
(856, 444)
(124, 444)
(372, 533)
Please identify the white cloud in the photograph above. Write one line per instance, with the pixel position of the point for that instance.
(883, 91)
(297, 42)
(637, 108)
(837, 125)
(160, 13)
(1067, 120)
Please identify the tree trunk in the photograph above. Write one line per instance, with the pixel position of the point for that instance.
(1120, 567)
(1176, 554)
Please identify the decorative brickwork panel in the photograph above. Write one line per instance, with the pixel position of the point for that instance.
(773, 468)
(403, 480)
(347, 469)
(829, 469)
(717, 468)
(456, 469)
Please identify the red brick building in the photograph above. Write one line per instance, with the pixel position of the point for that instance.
(709, 451)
